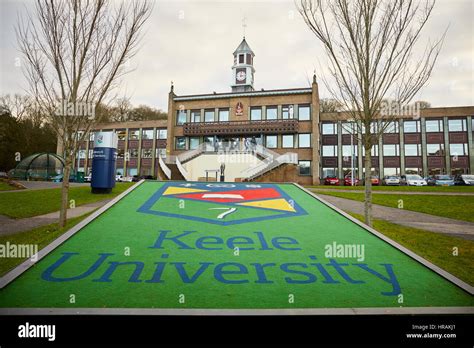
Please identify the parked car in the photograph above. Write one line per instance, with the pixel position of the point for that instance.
(412, 180)
(349, 182)
(464, 179)
(127, 178)
(331, 180)
(88, 178)
(440, 180)
(375, 180)
(118, 178)
(3, 175)
(390, 180)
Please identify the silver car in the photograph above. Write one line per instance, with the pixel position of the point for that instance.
(412, 180)
(391, 180)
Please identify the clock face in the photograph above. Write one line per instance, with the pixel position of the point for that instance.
(241, 75)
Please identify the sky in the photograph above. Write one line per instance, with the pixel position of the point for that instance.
(191, 43)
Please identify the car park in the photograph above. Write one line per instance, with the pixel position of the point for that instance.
(412, 180)
(391, 180)
(440, 180)
(331, 180)
(464, 179)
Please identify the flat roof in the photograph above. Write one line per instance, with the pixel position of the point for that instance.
(260, 93)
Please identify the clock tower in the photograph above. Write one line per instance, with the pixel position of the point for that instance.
(243, 70)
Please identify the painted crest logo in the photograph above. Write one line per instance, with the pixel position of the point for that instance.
(222, 204)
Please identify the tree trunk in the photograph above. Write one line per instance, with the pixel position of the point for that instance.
(368, 187)
(65, 192)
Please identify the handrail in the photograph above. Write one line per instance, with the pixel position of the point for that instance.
(185, 156)
(288, 158)
(182, 170)
(164, 167)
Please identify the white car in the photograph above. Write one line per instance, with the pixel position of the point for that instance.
(88, 178)
(412, 180)
(118, 178)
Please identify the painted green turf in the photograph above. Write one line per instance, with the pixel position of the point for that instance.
(122, 227)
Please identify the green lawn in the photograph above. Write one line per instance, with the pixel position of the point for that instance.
(401, 188)
(435, 247)
(42, 236)
(454, 207)
(4, 186)
(37, 202)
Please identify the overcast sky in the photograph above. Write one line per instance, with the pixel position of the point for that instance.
(191, 43)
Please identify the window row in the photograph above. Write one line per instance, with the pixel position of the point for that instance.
(394, 150)
(134, 134)
(256, 114)
(431, 125)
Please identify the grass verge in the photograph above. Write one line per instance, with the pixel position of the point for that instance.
(434, 247)
(469, 189)
(5, 186)
(42, 236)
(38, 202)
(454, 207)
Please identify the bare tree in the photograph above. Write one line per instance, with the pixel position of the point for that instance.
(373, 52)
(75, 53)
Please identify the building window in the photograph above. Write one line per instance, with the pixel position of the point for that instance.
(162, 133)
(414, 171)
(161, 153)
(91, 153)
(255, 114)
(390, 127)
(193, 143)
(458, 150)
(249, 59)
(91, 136)
(348, 128)
(147, 153)
(347, 151)
(271, 141)
(287, 111)
(132, 171)
(133, 134)
(147, 134)
(121, 134)
(412, 149)
(271, 113)
(457, 125)
(411, 126)
(304, 140)
(223, 115)
(304, 113)
(329, 128)
(391, 150)
(435, 149)
(241, 59)
(329, 172)
(133, 153)
(180, 143)
(209, 116)
(195, 116)
(288, 141)
(329, 150)
(433, 126)
(374, 151)
(391, 171)
(304, 167)
(180, 117)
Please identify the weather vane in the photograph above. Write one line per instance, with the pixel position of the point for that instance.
(244, 24)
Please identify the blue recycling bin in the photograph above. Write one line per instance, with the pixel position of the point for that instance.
(103, 162)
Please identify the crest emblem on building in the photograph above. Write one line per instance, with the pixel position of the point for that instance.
(239, 109)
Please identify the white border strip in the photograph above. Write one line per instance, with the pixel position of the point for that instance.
(23, 267)
(424, 262)
(238, 312)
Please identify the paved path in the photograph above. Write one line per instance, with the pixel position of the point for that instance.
(452, 227)
(11, 226)
(397, 192)
(41, 185)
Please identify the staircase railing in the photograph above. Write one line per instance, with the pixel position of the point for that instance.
(164, 167)
(286, 158)
(182, 170)
(186, 156)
